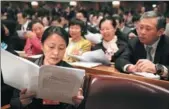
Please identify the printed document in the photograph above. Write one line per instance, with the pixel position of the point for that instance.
(49, 82)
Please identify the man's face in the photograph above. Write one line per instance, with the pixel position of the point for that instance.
(20, 18)
(147, 30)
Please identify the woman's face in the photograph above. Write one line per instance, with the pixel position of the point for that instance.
(45, 21)
(107, 30)
(38, 29)
(54, 48)
(75, 31)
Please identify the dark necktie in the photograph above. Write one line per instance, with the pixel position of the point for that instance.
(149, 49)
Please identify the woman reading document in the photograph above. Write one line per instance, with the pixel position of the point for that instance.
(54, 43)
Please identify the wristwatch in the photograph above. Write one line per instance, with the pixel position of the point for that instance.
(159, 69)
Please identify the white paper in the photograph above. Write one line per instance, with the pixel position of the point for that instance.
(35, 56)
(147, 75)
(59, 83)
(95, 38)
(21, 33)
(97, 56)
(85, 64)
(18, 72)
(48, 82)
(20, 52)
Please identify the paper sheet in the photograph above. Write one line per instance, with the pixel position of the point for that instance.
(59, 83)
(21, 33)
(85, 64)
(95, 38)
(18, 72)
(97, 56)
(35, 56)
(147, 75)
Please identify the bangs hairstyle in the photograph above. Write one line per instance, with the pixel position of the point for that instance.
(76, 21)
(55, 30)
(113, 21)
(34, 22)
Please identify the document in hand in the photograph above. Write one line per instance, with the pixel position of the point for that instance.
(49, 82)
(97, 56)
(59, 83)
(18, 72)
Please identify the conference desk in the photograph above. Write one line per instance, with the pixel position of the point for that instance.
(111, 70)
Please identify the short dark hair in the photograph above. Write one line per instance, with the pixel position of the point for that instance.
(55, 30)
(56, 18)
(82, 12)
(119, 18)
(79, 22)
(114, 24)
(24, 15)
(34, 22)
(136, 17)
(161, 22)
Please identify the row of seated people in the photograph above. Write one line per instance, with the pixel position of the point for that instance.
(129, 56)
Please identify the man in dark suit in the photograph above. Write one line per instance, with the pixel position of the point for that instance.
(23, 22)
(150, 51)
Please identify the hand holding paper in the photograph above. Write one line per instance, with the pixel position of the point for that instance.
(48, 82)
(56, 83)
(26, 96)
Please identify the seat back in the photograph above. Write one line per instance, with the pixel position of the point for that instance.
(109, 92)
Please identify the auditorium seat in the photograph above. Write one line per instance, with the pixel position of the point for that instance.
(109, 92)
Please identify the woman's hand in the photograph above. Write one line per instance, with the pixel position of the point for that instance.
(79, 97)
(30, 34)
(26, 97)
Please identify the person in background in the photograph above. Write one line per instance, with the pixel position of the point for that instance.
(149, 51)
(134, 31)
(6, 91)
(111, 44)
(23, 22)
(78, 45)
(33, 38)
(45, 21)
(57, 21)
(121, 25)
(54, 43)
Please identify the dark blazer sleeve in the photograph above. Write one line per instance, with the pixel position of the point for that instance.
(123, 59)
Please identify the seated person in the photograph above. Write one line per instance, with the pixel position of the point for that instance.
(149, 52)
(133, 33)
(54, 43)
(6, 91)
(111, 44)
(78, 45)
(33, 41)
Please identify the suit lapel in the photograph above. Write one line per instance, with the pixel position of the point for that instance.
(140, 52)
(159, 50)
